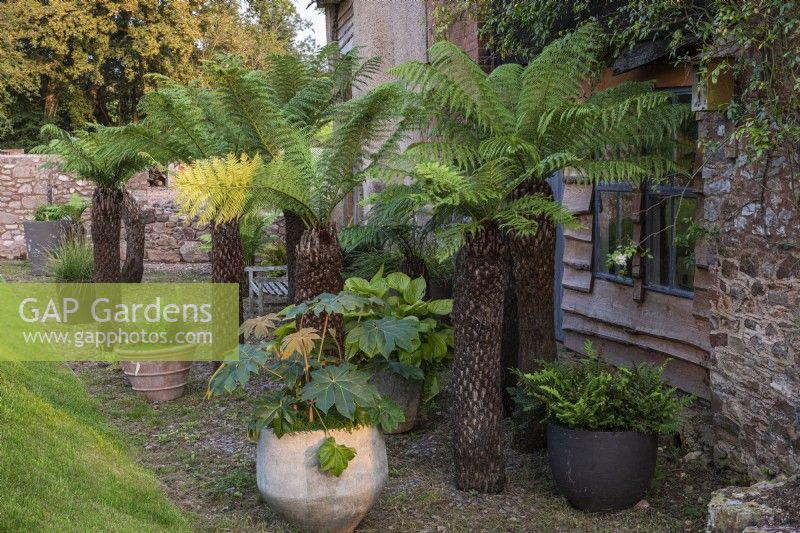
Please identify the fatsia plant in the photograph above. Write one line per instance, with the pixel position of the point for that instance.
(321, 388)
(83, 153)
(497, 138)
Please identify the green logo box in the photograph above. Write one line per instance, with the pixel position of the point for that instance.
(119, 321)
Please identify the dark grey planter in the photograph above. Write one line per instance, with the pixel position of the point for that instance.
(40, 238)
(407, 393)
(601, 470)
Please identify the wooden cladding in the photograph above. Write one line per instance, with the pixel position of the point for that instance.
(630, 324)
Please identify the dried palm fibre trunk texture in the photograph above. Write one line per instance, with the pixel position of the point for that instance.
(480, 283)
(133, 267)
(318, 269)
(293, 231)
(106, 211)
(533, 270)
(227, 265)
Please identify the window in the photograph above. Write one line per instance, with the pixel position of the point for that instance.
(616, 212)
(668, 216)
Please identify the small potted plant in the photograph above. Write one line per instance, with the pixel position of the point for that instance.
(409, 374)
(321, 458)
(603, 424)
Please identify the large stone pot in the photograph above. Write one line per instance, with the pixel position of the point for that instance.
(407, 393)
(601, 470)
(289, 478)
(40, 238)
(159, 381)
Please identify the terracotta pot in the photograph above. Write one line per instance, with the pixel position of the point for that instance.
(407, 393)
(289, 478)
(601, 470)
(159, 381)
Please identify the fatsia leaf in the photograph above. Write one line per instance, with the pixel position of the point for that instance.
(259, 326)
(341, 385)
(233, 374)
(301, 341)
(334, 457)
(387, 414)
(274, 409)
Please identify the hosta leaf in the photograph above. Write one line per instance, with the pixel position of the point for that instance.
(386, 414)
(413, 358)
(333, 457)
(431, 387)
(415, 291)
(363, 287)
(440, 307)
(398, 281)
(406, 370)
(385, 335)
(343, 386)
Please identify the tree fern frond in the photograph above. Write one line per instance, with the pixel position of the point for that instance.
(524, 215)
(216, 189)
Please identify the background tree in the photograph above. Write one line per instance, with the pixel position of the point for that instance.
(83, 154)
(74, 63)
(503, 135)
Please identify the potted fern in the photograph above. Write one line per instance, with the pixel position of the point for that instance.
(603, 424)
(321, 458)
(48, 229)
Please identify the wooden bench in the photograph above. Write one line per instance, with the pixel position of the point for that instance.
(261, 282)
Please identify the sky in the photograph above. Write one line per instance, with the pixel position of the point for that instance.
(317, 19)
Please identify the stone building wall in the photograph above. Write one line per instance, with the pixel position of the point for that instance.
(26, 183)
(754, 251)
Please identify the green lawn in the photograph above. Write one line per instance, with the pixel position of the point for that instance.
(62, 468)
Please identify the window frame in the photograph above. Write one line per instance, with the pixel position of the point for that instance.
(663, 192)
(617, 188)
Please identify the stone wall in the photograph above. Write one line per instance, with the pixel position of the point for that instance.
(755, 323)
(26, 183)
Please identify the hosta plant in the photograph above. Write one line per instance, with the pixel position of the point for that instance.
(392, 297)
(320, 388)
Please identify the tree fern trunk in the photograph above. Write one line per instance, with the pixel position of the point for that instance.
(318, 270)
(227, 265)
(133, 268)
(480, 283)
(106, 211)
(533, 270)
(414, 267)
(293, 231)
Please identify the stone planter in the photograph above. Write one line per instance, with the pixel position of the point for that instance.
(159, 381)
(289, 478)
(601, 470)
(407, 393)
(40, 238)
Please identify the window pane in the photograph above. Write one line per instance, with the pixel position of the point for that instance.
(668, 221)
(684, 244)
(658, 230)
(616, 215)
